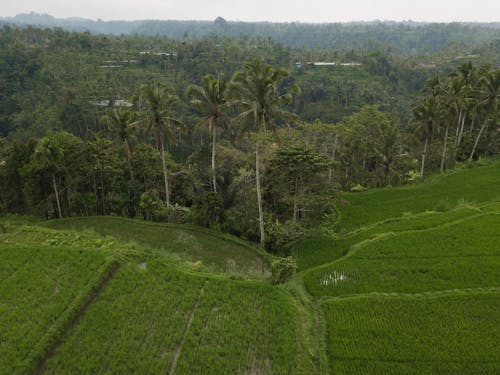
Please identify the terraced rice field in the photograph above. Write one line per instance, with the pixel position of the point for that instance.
(155, 319)
(406, 281)
(433, 334)
(39, 290)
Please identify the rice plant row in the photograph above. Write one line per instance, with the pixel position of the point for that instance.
(447, 335)
(475, 185)
(325, 247)
(37, 286)
(464, 255)
(139, 324)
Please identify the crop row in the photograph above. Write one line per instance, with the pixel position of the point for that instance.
(150, 314)
(37, 286)
(451, 334)
(481, 185)
(457, 256)
(240, 328)
(323, 248)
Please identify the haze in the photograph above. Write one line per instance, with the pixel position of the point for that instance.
(265, 10)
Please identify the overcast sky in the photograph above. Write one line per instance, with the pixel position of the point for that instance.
(264, 10)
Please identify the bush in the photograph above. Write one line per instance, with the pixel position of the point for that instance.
(358, 188)
(282, 269)
(173, 214)
(208, 211)
(279, 234)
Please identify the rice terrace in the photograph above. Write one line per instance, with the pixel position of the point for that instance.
(413, 291)
(249, 187)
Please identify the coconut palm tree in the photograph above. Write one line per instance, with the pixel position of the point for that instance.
(212, 100)
(122, 122)
(47, 155)
(161, 103)
(258, 93)
(428, 116)
(488, 101)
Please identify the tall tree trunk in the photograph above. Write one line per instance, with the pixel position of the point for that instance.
(295, 204)
(478, 137)
(424, 154)
(54, 185)
(165, 172)
(443, 158)
(259, 196)
(211, 124)
(129, 159)
(462, 126)
(334, 151)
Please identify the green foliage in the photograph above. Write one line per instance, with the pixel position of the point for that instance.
(208, 211)
(278, 234)
(282, 269)
(150, 203)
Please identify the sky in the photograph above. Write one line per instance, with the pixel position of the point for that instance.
(264, 10)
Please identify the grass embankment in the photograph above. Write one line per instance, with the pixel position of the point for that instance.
(363, 216)
(472, 185)
(215, 251)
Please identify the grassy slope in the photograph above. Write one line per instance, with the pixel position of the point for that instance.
(216, 251)
(364, 215)
(474, 185)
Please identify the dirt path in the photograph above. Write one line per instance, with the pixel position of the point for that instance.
(88, 301)
(186, 330)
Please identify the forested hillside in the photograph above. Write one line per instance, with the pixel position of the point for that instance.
(180, 130)
(402, 38)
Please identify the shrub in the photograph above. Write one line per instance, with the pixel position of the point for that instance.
(282, 269)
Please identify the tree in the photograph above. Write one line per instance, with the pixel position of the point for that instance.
(298, 180)
(122, 122)
(258, 91)
(488, 102)
(427, 115)
(47, 155)
(161, 103)
(212, 101)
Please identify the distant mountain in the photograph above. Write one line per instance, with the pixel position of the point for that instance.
(74, 23)
(407, 37)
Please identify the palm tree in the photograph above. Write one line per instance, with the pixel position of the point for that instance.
(122, 123)
(257, 90)
(488, 101)
(212, 101)
(161, 103)
(427, 115)
(46, 155)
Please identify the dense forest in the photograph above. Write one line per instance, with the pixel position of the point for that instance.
(236, 131)
(403, 38)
